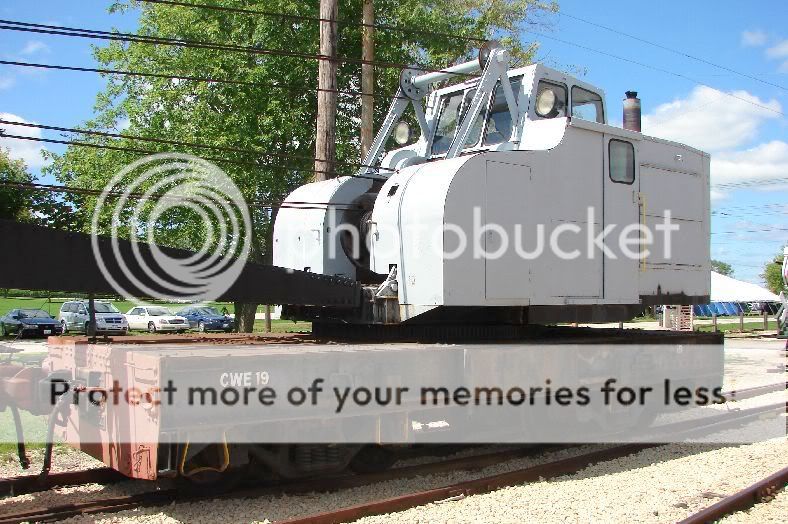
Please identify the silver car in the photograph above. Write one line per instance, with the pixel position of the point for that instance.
(74, 317)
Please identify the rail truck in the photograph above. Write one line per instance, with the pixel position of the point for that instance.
(500, 152)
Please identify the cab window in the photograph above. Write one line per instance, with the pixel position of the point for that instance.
(476, 129)
(447, 123)
(499, 120)
(622, 161)
(587, 105)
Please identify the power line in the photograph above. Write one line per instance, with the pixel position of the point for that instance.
(752, 183)
(51, 188)
(292, 89)
(303, 18)
(28, 27)
(766, 230)
(225, 149)
(675, 51)
(149, 152)
(648, 66)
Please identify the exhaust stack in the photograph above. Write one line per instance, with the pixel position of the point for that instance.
(632, 116)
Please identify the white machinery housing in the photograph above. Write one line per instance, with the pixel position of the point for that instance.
(503, 155)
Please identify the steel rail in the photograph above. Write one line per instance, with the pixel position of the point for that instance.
(755, 391)
(741, 500)
(24, 484)
(462, 489)
(486, 484)
(324, 484)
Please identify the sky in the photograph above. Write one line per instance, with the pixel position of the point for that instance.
(735, 118)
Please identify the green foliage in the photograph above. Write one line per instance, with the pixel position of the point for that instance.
(772, 275)
(14, 204)
(29, 206)
(275, 115)
(723, 268)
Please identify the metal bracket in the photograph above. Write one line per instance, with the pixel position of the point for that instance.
(496, 69)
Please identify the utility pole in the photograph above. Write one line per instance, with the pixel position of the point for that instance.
(325, 144)
(367, 77)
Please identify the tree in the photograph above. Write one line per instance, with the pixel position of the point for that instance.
(273, 110)
(773, 275)
(722, 268)
(14, 204)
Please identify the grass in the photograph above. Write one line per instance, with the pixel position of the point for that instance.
(52, 306)
(734, 326)
(35, 429)
(283, 326)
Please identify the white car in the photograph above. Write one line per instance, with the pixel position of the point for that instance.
(155, 318)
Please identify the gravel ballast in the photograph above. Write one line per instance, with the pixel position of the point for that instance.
(662, 484)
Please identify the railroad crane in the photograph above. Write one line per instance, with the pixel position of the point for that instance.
(496, 158)
(378, 255)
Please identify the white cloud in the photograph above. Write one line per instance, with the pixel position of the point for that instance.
(34, 46)
(711, 120)
(27, 150)
(753, 38)
(780, 50)
(764, 162)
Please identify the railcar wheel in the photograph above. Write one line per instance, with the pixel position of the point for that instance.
(372, 459)
(212, 482)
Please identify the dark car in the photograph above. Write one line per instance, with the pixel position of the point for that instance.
(204, 318)
(30, 322)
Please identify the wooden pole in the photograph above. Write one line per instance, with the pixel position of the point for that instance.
(765, 319)
(268, 318)
(325, 142)
(367, 77)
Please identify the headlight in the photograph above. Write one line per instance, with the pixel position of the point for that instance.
(163, 321)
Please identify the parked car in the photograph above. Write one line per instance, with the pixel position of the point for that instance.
(203, 318)
(74, 317)
(155, 318)
(29, 322)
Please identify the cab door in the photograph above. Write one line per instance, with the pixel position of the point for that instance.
(621, 210)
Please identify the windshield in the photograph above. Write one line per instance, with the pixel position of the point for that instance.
(33, 313)
(207, 311)
(105, 307)
(496, 115)
(447, 123)
(499, 119)
(158, 311)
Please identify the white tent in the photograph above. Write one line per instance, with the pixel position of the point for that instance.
(727, 289)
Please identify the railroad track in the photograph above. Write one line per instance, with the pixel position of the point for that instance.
(761, 491)
(462, 489)
(25, 484)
